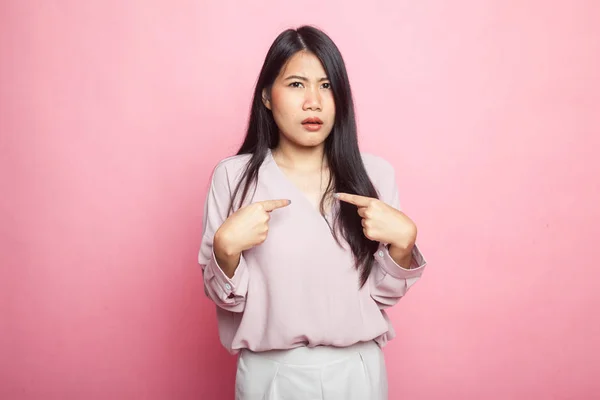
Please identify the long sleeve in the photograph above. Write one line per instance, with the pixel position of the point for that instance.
(229, 294)
(390, 281)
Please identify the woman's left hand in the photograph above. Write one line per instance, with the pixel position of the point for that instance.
(382, 222)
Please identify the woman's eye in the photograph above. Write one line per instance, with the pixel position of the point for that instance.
(299, 85)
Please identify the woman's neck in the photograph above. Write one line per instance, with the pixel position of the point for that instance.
(300, 158)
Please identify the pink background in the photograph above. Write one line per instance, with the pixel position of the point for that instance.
(112, 115)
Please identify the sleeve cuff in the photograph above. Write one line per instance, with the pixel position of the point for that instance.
(390, 266)
(230, 287)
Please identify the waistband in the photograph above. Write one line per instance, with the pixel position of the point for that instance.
(305, 355)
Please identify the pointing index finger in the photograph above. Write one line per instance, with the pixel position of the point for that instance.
(271, 205)
(359, 201)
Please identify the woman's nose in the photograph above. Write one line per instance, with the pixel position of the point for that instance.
(312, 100)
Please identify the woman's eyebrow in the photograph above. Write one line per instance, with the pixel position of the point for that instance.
(302, 78)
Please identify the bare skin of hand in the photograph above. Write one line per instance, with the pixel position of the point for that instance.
(242, 230)
(383, 223)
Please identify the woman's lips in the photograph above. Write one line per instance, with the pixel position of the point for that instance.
(312, 120)
(312, 124)
(312, 127)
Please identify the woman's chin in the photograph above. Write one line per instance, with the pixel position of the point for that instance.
(309, 139)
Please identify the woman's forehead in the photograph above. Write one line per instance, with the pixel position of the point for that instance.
(304, 64)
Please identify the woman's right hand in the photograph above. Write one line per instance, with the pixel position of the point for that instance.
(242, 230)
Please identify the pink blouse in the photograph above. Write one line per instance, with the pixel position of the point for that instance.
(299, 287)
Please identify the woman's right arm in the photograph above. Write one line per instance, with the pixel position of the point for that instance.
(224, 271)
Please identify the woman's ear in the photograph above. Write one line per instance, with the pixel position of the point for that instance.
(266, 99)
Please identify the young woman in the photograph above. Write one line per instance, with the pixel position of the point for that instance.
(304, 245)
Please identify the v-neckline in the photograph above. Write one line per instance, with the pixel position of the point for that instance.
(295, 189)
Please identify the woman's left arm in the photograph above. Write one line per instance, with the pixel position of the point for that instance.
(398, 261)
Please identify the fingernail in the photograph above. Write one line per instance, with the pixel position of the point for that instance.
(336, 195)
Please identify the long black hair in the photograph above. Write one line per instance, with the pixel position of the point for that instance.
(347, 172)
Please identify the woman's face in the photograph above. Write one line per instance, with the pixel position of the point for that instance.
(302, 101)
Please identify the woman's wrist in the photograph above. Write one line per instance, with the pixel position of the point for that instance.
(401, 255)
(227, 256)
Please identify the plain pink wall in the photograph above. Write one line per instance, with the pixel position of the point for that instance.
(112, 115)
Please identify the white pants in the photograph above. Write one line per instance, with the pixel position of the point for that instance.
(320, 373)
